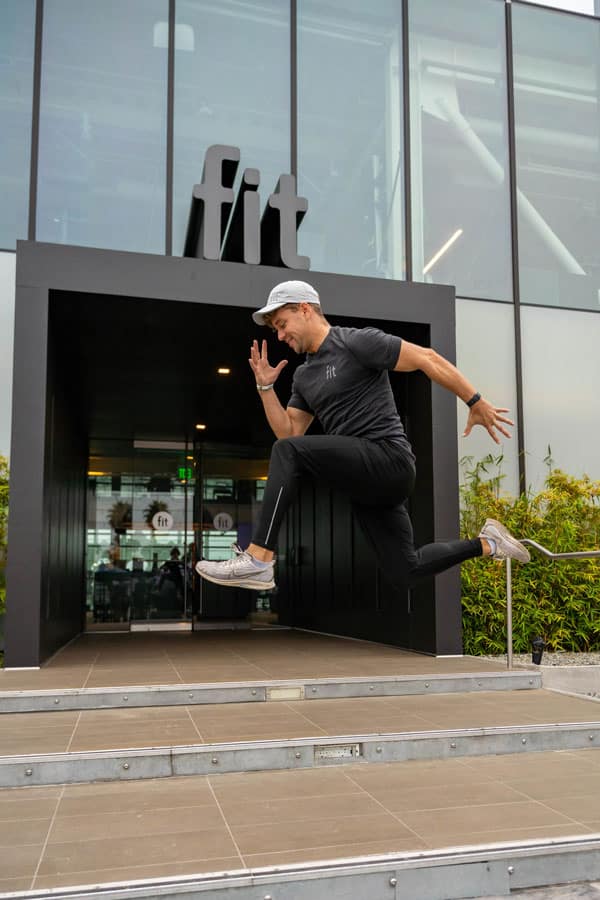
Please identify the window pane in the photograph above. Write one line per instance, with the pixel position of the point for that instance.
(232, 86)
(561, 374)
(350, 132)
(17, 30)
(459, 146)
(485, 352)
(558, 162)
(7, 319)
(103, 124)
(589, 7)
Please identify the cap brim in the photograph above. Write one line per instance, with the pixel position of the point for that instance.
(259, 315)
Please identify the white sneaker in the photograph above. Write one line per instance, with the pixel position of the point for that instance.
(239, 572)
(507, 547)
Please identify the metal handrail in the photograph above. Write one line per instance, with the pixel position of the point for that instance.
(579, 554)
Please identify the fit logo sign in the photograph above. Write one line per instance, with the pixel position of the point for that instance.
(270, 240)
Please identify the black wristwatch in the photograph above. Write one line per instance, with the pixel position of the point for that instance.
(473, 400)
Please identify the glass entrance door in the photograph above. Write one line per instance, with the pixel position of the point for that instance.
(230, 482)
(140, 535)
(154, 509)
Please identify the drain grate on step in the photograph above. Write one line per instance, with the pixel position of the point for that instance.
(323, 752)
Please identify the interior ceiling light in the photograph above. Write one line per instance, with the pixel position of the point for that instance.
(442, 250)
(223, 370)
(200, 427)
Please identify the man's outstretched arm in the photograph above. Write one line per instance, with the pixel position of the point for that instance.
(284, 423)
(412, 357)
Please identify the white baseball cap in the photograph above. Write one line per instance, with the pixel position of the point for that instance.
(286, 292)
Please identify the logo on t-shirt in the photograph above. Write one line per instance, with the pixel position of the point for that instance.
(330, 372)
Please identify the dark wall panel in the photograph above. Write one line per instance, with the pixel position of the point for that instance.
(303, 556)
(342, 587)
(322, 547)
(26, 538)
(334, 584)
(338, 588)
(63, 587)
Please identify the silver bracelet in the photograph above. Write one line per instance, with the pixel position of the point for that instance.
(264, 387)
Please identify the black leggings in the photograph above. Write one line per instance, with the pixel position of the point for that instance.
(378, 476)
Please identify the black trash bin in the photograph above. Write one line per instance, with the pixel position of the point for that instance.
(537, 650)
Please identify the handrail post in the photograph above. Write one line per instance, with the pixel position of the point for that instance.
(578, 554)
(509, 622)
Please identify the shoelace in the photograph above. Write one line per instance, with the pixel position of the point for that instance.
(230, 563)
(239, 552)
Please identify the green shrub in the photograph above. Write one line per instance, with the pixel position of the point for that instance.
(556, 599)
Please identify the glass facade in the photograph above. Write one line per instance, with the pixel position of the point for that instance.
(232, 86)
(17, 32)
(557, 129)
(350, 136)
(102, 143)
(485, 351)
(561, 374)
(459, 147)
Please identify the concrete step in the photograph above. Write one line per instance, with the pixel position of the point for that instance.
(126, 764)
(53, 748)
(151, 726)
(489, 870)
(428, 830)
(122, 697)
(99, 661)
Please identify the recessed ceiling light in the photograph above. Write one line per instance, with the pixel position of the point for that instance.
(223, 370)
(200, 427)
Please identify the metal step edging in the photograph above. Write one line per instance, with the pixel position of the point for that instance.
(449, 874)
(70, 699)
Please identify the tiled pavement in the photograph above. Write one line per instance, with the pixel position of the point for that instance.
(116, 831)
(93, 833)
(202, 657)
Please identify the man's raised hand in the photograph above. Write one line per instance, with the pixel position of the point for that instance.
(264, 372)
(490, 417)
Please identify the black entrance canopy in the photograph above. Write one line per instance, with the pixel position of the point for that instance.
(123, 345)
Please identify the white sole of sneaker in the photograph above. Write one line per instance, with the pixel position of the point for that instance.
(246, 583)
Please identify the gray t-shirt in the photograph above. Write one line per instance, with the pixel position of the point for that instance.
(345, 384)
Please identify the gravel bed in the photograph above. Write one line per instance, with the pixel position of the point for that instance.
(552, 659)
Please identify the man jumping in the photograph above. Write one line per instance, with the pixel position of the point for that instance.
(364, 452)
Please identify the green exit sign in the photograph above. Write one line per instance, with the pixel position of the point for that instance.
(184, 474)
